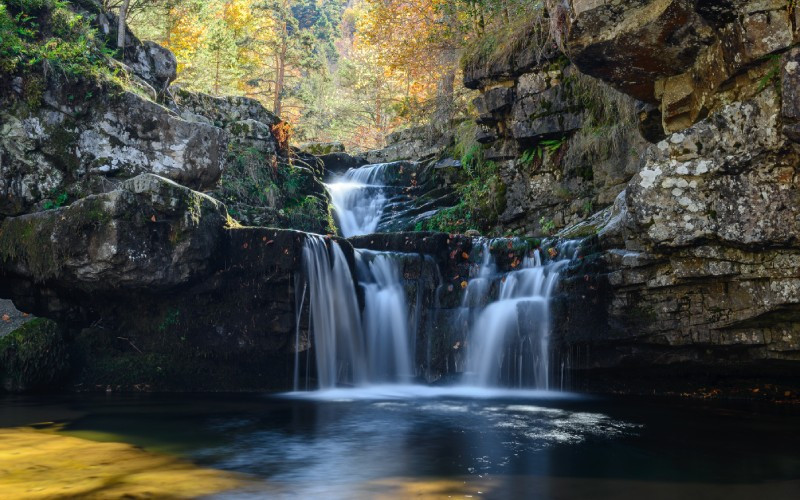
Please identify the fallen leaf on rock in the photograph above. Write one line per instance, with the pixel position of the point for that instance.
(6, 318)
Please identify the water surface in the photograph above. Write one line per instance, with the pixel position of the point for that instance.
(402, 441)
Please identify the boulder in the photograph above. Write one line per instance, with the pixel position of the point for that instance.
(339, 163)
(150, 234)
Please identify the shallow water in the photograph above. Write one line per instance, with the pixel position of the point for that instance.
(403, 441)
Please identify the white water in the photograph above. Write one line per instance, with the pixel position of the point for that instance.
(351, 348)
(508, 314)
(335, 319)
(509, 339)
(385, 318)
(417, 391)
(359, 199)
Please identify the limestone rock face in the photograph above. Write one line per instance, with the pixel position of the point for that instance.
(729, 179)
(698, 260)
(151, 233)
(79, 149)
(416, 143)
(557, 163)
(677, 53)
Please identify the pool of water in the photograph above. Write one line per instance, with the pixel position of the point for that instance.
(401, 441)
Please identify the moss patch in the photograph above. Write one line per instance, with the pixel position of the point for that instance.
(33, 357)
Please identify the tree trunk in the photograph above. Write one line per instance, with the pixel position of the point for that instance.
(123, 14)
(280, 73)
(216, 74)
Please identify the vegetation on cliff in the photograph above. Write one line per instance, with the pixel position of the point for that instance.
(41, 39)
(33, 357)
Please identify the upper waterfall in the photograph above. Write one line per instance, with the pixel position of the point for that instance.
(359, 199)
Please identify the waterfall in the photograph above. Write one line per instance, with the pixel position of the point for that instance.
(350, 347)
(509, 339)
(359, 199)
(507, 315)
(385, 319)
(335, 319)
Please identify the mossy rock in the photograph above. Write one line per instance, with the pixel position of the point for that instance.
(33, 357)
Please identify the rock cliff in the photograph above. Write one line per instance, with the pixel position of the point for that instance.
(701, 247)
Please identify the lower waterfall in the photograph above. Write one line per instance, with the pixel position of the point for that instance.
(335, 320)
(502, 327)
(507, 316)
(385, 319)
(510, 336)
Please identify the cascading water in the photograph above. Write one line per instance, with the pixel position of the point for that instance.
(351, 348)
(507, 314)
(359, 199)
(509, 338)
(385, 319)
(335, 318)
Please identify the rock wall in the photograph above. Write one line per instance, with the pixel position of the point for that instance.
(154, 285)
(159, 289)
(85, 135)
(699, 276)
(566, 144)
(686, 182)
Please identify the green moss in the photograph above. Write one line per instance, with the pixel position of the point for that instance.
(33, 357)
(260, 191)
(27, 240)
(522, 27)
(46, 37)
(63, 139)
(482, 193)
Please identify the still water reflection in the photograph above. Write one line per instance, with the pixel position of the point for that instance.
(397, 442)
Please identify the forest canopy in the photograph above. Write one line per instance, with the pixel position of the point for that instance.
(337, 70)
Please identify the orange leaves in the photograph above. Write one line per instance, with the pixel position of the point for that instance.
(282, 131)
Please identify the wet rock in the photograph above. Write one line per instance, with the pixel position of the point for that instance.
(339, 163)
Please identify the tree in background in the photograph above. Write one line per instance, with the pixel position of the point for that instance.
(346, 70)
